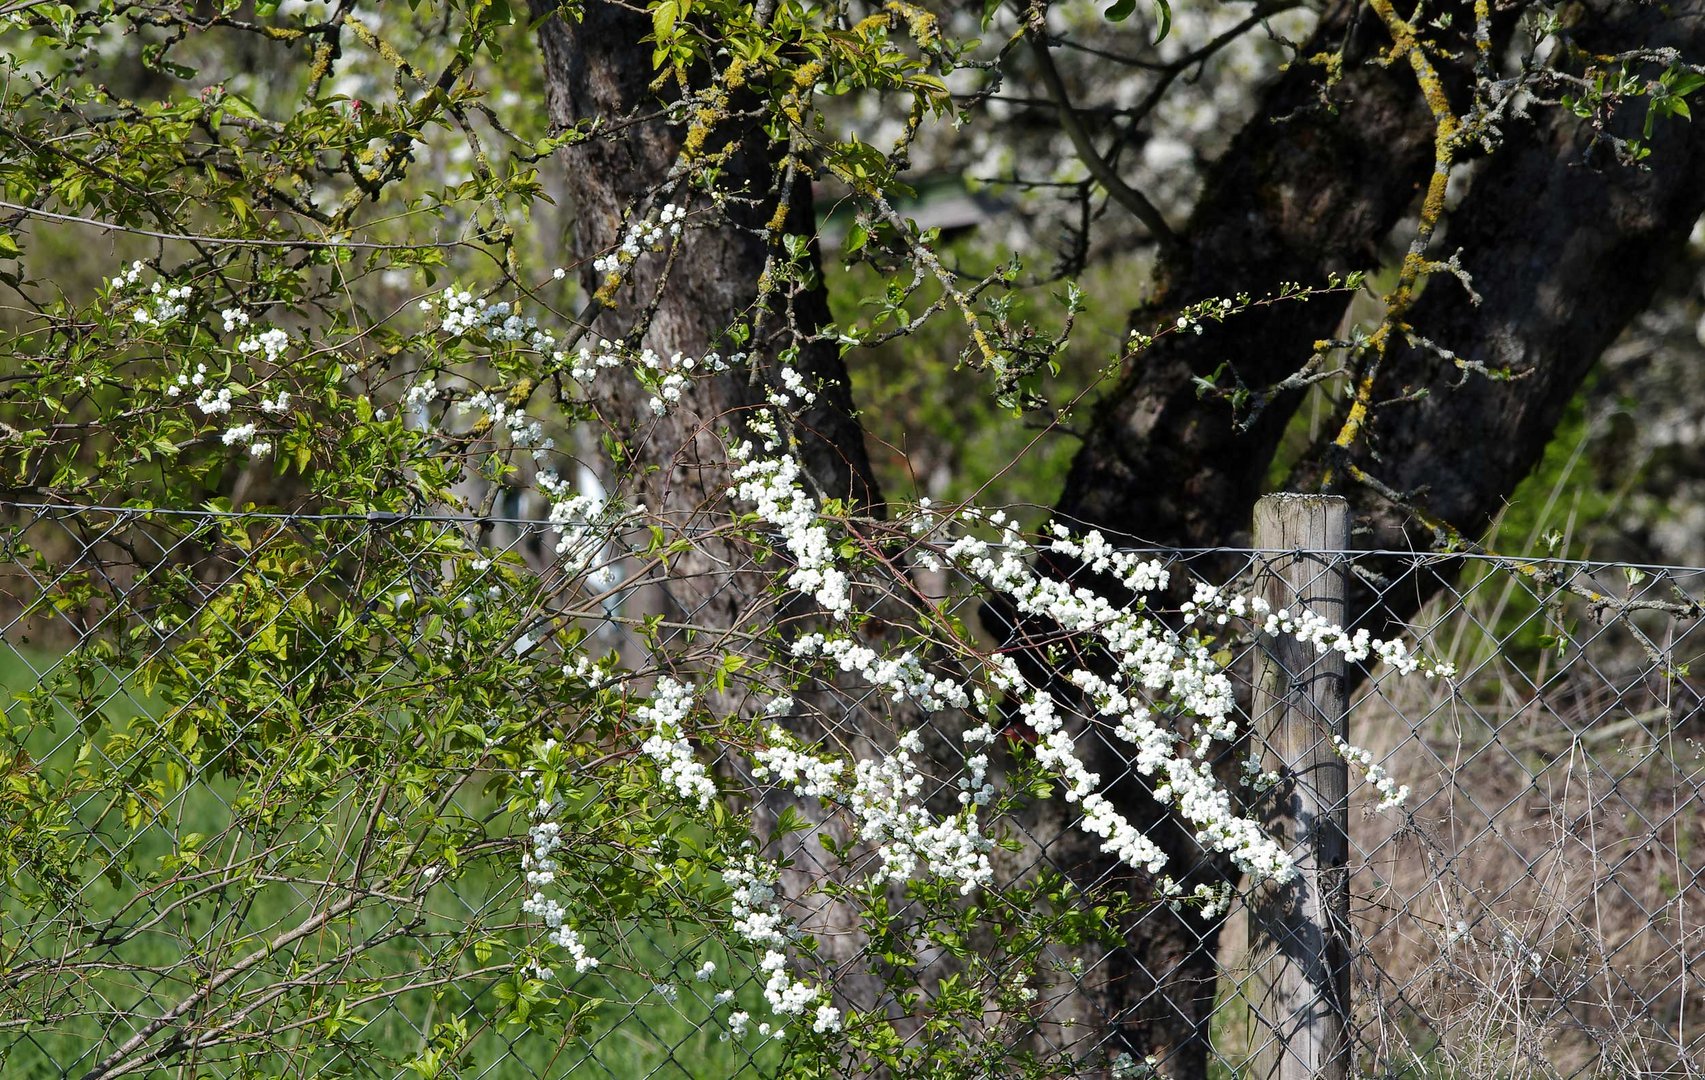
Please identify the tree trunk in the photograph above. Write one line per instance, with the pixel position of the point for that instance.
(599, 67)
(1565, 256)
(1304, 190)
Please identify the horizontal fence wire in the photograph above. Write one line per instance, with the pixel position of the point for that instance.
(175, 902)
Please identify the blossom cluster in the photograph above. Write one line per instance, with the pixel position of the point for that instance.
(268, 343)
(210, 401)
(1149, 659)
(460, 312)
(169, 305)
(885, 796)
(1390, 792)
(759, 922)
(643, 234)
(589, 361)
(197, 378)
(1313, 629)
(1210, 901)
(163, 304)
(806, 775)
(421, 394)
(523, 431)
(664, 715)
(583, 523)
(790, 997)
(219, 402)
(1162, 694)
(583, 669)
(903, 676)
(753, 903)
(666, 377)
(539, 865)
(772, 485)
(793, 386)
(128, 277)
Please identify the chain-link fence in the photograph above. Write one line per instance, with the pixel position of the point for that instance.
(210, 782)
(1534, 907)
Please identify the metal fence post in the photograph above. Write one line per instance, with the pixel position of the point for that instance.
(1298, 944)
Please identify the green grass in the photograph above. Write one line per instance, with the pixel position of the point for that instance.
(632, 1033)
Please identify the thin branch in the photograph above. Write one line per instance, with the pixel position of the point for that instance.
(224, 241)
(111, 1064)
(1128, 197)
(1200, 55)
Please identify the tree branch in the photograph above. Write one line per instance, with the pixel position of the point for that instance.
(1128, 197)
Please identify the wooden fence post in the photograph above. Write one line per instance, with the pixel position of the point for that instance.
(1298, 932)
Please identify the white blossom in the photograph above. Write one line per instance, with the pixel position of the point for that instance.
(664, 714)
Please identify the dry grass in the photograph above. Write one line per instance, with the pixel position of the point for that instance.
(1539, 910)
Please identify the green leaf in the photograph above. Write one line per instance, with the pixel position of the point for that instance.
(790, 820)
(1685, 83)
(730, 664)
(1124, 9)
(663, 20)
(238, 105)
(857, 236)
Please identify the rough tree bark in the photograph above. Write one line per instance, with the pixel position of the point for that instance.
(1304, 190)
(597, 66)
(1311, 186)
(1564, 256)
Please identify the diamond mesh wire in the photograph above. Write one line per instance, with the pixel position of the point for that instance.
(1534, 909)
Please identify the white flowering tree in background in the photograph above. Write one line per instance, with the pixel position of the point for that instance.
(579, 265)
